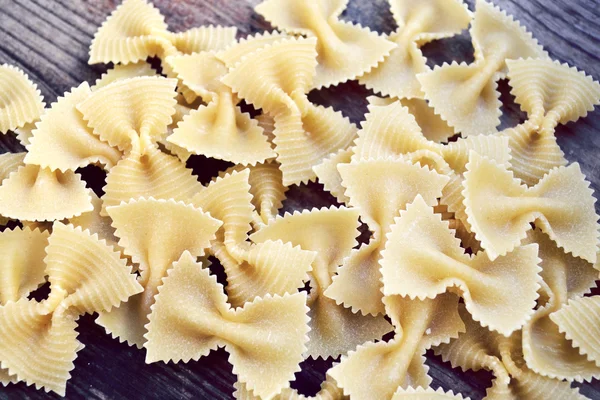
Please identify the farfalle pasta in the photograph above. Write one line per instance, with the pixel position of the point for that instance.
(39, 341)
(345, 50)
(164, 240)
(551, 93)
(219, 129)
(499, 294)
(136, 30)
(21, 102)
(418, 23)
(500, 209)
(419, 325)
(333, 329)
(479, 348)
(378, 189)
(466, 95)
(253, 269)
(265, 367)
(304, 133)
(545, 349)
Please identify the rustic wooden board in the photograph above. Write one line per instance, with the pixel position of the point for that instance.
(50, 41)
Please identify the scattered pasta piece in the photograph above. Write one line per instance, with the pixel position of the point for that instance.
(136, 30)
(418, 23)
(21, 102)
(545, 349)
(62, 140)
(400, 362)
(500, 209)
(578, 320)
(466, 96)
(499, 294)
(164, 240)
(333, 329)
(378, 189)
(304, 133)
(479, 348)
(38, 339)
(189, 293)
(426, 394)
(219, 129)
(551, 93)
(345, 50)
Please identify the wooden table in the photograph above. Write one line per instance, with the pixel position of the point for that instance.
(50, 41)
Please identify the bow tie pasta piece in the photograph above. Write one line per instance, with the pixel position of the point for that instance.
(191, 318)
(545, 349)
(466, 96)
(136, 30)
(235, 52)
(400, 362)
(419, 393)
(333, 329)
(419, 22)
(479, 348)
(267, 189)
(38, 339)
(169, 228)
(329, 391)
(499, 294)
(63, 141)
(21, 102)
(551, 93)
(500, 209)
(379, 189)
(149, 174)
(304, 133)
(253, 270)
(123, 71)
(579, 322)
(220, 129)
(345, 50)
(131, 112)
(32, 193)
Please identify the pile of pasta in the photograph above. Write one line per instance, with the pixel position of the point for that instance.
(483, 243)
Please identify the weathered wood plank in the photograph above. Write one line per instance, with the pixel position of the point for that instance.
(50, 39)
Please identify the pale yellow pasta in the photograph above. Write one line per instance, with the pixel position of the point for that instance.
(551, 93)
(545, 349)
(63, 141)
(400, 362)
(136, 30)
(479, 348)
(345, 50)
(499, 294)
(500, 209)
(130, 113)
(20, 100)
(329, 391)
(32, 193)
(419, 22)
(191, 318)
(304, 133)
(163, 241)
(24, 133)
(333, 329)
(426, 394)
(149, 174)
(219, 129)
(124, 71)
(466, 95)
(329, 176)
(578, 321)
(9, 163)
(235, 52)
(379, 189)
(38, 339)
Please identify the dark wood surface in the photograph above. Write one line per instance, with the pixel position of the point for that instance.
(50, 41)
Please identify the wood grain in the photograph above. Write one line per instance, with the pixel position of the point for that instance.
(50, 41)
